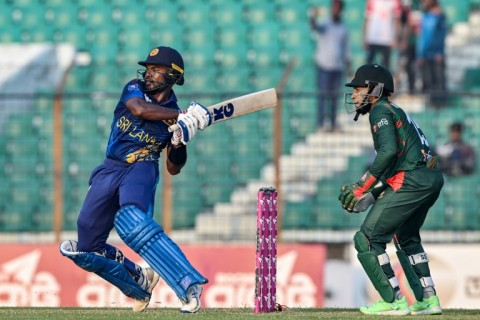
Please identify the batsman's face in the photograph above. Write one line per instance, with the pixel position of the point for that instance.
(154, 75)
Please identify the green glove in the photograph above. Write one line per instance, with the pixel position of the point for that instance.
(351, 194)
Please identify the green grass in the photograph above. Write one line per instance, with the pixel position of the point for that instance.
(223, 314)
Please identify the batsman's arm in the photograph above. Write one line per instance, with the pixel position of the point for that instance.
(149, 111)
(176, 158)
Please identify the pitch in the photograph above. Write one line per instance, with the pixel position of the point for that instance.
(207, 313)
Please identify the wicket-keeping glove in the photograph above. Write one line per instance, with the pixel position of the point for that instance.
(360, 191)
(201, 113)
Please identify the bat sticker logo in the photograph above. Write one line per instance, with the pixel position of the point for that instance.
(225, 111)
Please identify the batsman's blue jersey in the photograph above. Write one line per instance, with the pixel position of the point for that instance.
(129, 175)
(133, 139)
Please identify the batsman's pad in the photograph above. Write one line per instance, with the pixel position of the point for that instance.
(141, 233)
(371, 265)
(110, 270)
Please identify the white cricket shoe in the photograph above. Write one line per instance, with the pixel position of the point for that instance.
(150, 280)
(193, 295)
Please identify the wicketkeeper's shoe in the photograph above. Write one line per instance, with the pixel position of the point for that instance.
(426, 306)
(193, 295)
(382, 308)
(150, 280)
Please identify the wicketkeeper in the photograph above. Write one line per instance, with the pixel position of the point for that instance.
(402, 184)
(121, 195)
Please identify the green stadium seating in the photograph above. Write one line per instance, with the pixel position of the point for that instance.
(260, 12)
(16, 218)
(299, 215)
(230, 48)
(292, 12)
(97, 14)
(264, 35)
(232, 59)
(62, 15)
(194, 13)
(472, 79)
(456, 11)
(231, 36)
(228, 13)
(167, 35)
(264, 78)
(161, 14)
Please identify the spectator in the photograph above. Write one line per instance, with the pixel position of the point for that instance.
(381, 29)
(332, 59)
(431, 51)
(456, 157)
(410, 24)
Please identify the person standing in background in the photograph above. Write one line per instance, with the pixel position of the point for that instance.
(431, 51)
(332, 58)
(457, 158)
(408, 49)
(381, 29)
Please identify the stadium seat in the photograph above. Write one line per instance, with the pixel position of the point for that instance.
(169, 36)
(231, 36)
(299, 215)
(62, 15)
(199, 59)
(228, 13)
(16, 218)
(264, 34)
(260, 57)
(5, 14)
(96, 14)
(260, 12)
(327, 210)
(199, 37)
(264, 78)
(29, 16)
(128, 13)
(134, 38)
(195, 14)
(200, 79)
(292, 12)
(161, 14)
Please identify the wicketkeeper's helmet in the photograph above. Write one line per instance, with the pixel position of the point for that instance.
(372, 73)
(373, 76)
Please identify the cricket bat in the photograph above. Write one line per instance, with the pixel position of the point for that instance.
(239, 106)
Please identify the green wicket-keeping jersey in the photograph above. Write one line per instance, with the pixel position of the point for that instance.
(398, 141)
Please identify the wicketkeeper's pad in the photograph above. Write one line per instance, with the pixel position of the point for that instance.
(371, 264)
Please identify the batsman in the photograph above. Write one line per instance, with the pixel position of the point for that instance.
(402, 184)
(122, 189)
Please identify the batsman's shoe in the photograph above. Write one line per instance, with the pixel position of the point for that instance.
(382, 308)
(150, 280)
(426, 306)
(193, 295)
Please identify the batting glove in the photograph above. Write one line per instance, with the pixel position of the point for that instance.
(176, 139)
(360, 191)
(201, 113)
(184, 130)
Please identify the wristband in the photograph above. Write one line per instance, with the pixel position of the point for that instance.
(178, 155)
